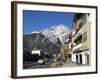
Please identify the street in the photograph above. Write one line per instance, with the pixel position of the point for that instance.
(66, 64)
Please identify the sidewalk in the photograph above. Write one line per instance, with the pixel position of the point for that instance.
(72, 64)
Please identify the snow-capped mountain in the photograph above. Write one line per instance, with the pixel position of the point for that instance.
(55, 32)
(50, 40)
(35, 32)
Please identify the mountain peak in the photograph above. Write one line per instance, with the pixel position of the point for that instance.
(61, 25)
(55, 32)
(35, 32)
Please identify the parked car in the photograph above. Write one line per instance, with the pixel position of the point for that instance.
(41, 61)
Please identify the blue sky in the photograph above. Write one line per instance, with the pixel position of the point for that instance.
(40, 20)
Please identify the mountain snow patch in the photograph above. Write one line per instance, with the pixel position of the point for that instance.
(53, 33)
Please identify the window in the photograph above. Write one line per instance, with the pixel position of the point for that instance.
(84, 37)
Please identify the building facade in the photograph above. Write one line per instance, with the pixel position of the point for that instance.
(81, 38)
(67, 48)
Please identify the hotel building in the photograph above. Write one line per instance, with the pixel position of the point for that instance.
(81, 38)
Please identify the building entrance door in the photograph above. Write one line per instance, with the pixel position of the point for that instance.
(80, 58)
(77, 59)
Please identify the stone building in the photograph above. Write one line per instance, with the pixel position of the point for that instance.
(81, 38)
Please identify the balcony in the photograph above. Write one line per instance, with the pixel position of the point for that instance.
(77, 46)
(81, 22)
(77, 34)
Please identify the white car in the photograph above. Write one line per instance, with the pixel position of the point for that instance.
(40, 61)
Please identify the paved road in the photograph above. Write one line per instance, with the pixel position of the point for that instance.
(36, 66)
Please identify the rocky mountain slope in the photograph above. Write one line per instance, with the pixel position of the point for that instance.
(49, 40)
